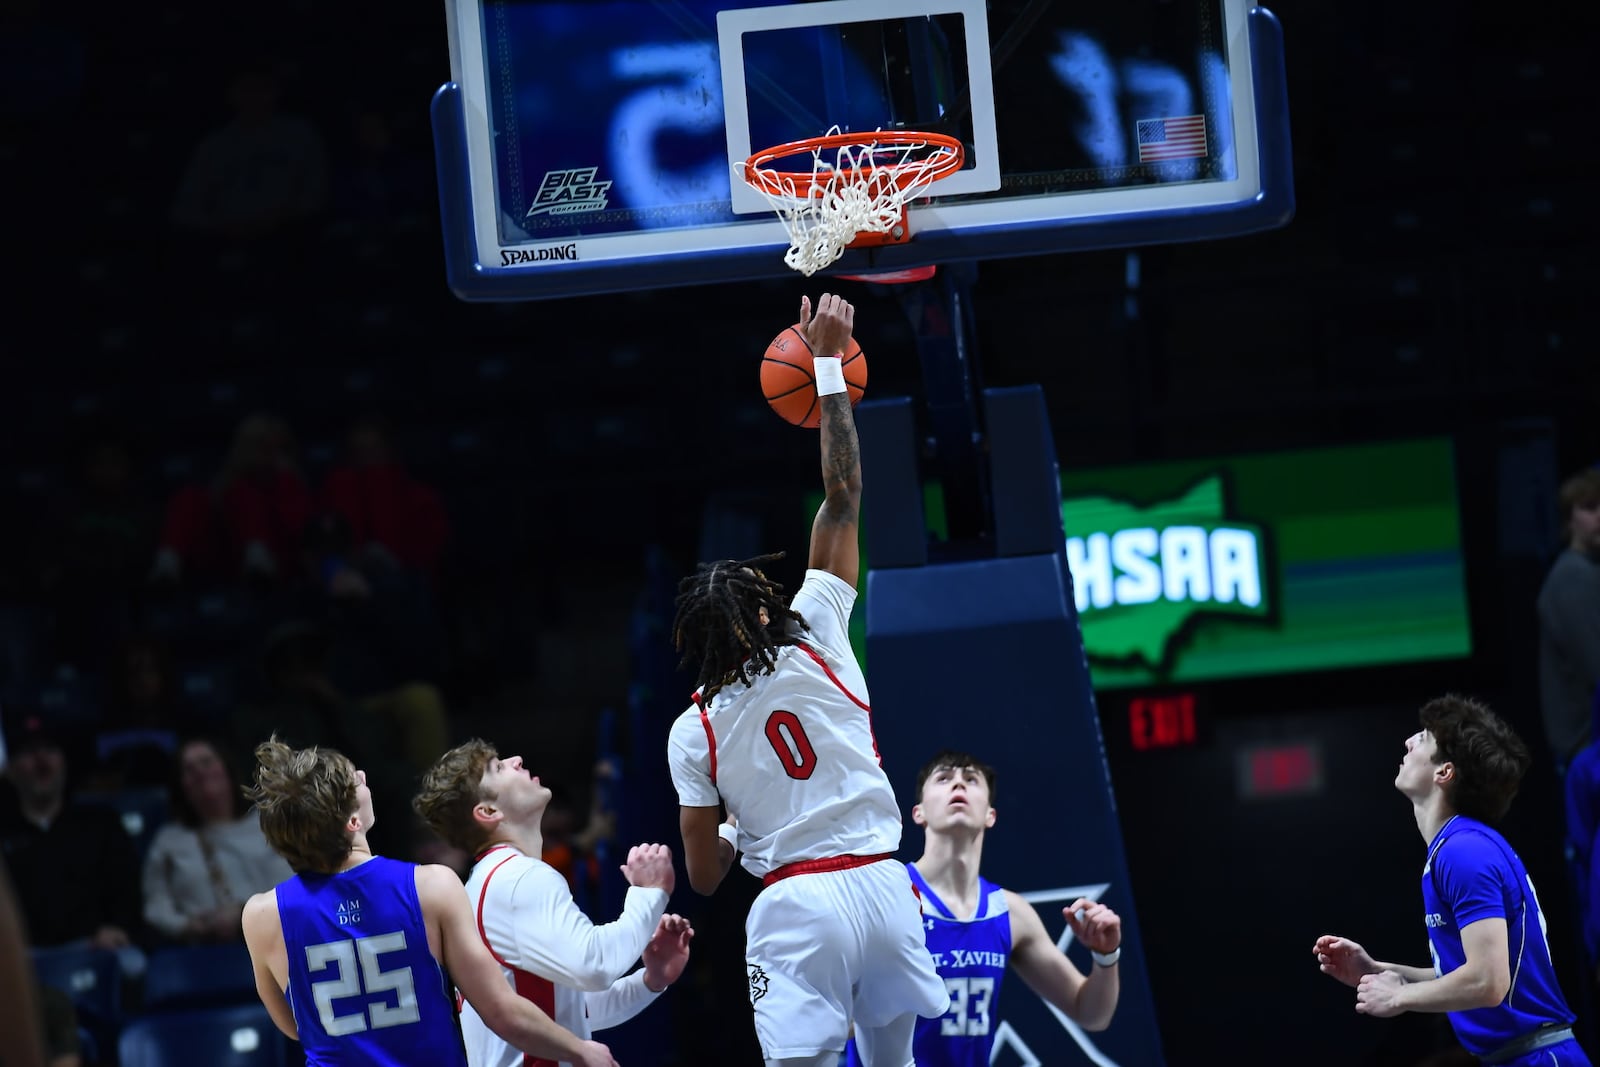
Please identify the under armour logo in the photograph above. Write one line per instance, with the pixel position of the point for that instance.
(758, 982)
(928, 923)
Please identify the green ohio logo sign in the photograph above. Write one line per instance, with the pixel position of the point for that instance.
(1142, 575)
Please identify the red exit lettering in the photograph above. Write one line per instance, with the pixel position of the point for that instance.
(1161, 722)
(1282, 770)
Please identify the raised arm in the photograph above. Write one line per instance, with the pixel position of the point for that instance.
(834, 544)
(1088, 1001)
(478, 977)
(555, 939)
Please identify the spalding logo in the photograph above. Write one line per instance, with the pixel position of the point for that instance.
(509, 256)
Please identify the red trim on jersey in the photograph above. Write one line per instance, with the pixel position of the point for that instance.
(711, 738)
(541, 991)
(483, 895)
(830, 863)
(834, 678)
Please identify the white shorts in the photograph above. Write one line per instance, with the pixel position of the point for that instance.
(825, 949)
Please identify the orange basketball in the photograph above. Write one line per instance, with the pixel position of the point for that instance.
(787, 382)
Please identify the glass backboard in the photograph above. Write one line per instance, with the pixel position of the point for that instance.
(588, 147)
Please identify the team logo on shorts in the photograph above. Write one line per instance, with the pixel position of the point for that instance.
(758, 982)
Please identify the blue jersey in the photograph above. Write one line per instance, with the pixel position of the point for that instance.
(364, 987)
(971, 956)
(1472, 874)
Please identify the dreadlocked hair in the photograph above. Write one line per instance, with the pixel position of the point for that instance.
(718, 626)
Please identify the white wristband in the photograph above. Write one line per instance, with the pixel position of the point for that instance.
(728, 833)
(830, 375)
(1107, 959)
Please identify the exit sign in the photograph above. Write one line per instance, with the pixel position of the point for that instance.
(1280, 770)
(1166, 721)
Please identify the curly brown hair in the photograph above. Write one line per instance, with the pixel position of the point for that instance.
(451, 789)
(305, 797)
(1490, 759)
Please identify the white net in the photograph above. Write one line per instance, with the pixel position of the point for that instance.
(864, 190)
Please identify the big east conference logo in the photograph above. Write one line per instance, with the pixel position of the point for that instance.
(1144, 575)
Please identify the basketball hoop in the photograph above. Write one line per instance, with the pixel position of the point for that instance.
(859, 199)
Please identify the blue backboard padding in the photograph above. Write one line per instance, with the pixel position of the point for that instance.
(986, 657)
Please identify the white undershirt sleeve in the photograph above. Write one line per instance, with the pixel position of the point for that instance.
(626, 998)
(554, 938)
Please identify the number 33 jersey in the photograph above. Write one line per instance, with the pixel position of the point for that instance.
(792, 753)
(364, 986)
(971, 956)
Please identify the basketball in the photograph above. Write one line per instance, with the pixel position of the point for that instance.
(790, 388)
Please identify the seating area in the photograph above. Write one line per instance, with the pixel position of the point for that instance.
(193, 1005)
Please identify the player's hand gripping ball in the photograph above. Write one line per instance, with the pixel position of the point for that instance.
(791, 388)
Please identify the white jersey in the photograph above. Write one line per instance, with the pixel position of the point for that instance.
(792, 753)
(551, 954)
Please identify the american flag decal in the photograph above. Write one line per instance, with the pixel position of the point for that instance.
(1182, 137)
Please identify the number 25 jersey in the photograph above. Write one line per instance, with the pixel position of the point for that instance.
(792, 753)
(363, 984)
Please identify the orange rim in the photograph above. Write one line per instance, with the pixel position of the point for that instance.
(896, 277)
(954, 155)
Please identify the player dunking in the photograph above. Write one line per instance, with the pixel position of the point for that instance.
(347, 953)
(781, 734)
(975, 928)
(1491, 961)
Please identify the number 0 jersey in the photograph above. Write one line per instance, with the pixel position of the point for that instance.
(363, 984)
(792, 753)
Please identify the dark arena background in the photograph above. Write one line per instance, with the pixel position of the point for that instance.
(264, 470)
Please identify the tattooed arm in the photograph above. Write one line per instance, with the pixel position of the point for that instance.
(834, 545)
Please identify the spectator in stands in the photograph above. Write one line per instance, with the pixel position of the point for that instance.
(249, 521)
(381, 618)
(380, 195)
(395, 734)
(247, 214)
(394, 520)
(1569, 621)
(211, 857)
(145, 715)
(1583, 824)
(73, 865)
(571, 845)
(103, 528)
(94, 546)
(259, 177)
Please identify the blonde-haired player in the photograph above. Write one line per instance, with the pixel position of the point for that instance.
(781, 733)
(351, 953)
